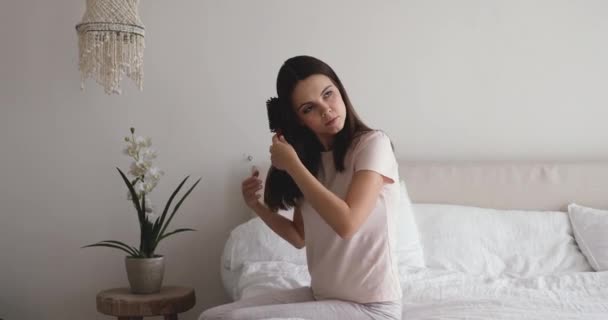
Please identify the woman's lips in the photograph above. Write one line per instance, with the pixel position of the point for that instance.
(332, 121)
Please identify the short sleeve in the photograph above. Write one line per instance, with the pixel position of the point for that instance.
(374, 152)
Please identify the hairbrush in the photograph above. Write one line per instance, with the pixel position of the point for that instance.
(275, 115)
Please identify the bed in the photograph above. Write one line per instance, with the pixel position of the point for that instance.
(476, 240)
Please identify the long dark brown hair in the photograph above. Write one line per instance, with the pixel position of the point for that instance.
(281, 192)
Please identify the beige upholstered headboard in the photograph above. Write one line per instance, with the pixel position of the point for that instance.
(506, 185)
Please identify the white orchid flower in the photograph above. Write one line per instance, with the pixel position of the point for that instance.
(131, 150)
(143, 142)
(139, 188)
(149, 186)
(136, 170)
(155, 173)
(148, 205)
(148, 154)
(139, 168)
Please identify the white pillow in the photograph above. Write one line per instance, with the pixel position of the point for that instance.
(408, 248)
(591, 232)
(254, 241)
(494, 242)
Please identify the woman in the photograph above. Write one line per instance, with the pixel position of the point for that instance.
(342, 180)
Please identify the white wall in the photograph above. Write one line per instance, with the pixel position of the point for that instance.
(446, 79)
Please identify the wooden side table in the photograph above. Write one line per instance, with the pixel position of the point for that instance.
(124, 305)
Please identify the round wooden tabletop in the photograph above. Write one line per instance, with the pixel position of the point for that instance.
(121, 302)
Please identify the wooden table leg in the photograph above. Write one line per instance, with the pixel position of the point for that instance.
(171, 316)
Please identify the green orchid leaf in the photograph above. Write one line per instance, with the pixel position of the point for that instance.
(121, 244)
(177, 207)
(108, 246)
(174, 232)
(155, 230)
(164, 215)
(147, 244)
(140, 212)
(143, 234)
(139, 254)
(134, 181)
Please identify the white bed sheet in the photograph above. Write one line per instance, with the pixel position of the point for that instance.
(437, 294)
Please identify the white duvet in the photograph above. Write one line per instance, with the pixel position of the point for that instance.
(439, 294)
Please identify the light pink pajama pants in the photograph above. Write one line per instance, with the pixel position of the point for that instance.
(300, 304)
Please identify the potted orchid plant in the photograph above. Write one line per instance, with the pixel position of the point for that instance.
(145, 268)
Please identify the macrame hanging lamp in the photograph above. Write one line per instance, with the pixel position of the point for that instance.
(111, 43)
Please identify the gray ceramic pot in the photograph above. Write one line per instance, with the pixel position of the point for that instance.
(145, 274)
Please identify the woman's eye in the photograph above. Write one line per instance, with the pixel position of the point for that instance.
(307, 109)
(328, 94)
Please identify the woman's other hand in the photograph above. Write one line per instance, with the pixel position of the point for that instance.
(250, 186)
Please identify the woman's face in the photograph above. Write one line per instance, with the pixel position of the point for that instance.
(319, 106)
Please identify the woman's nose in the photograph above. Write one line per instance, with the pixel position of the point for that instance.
(324, 109)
